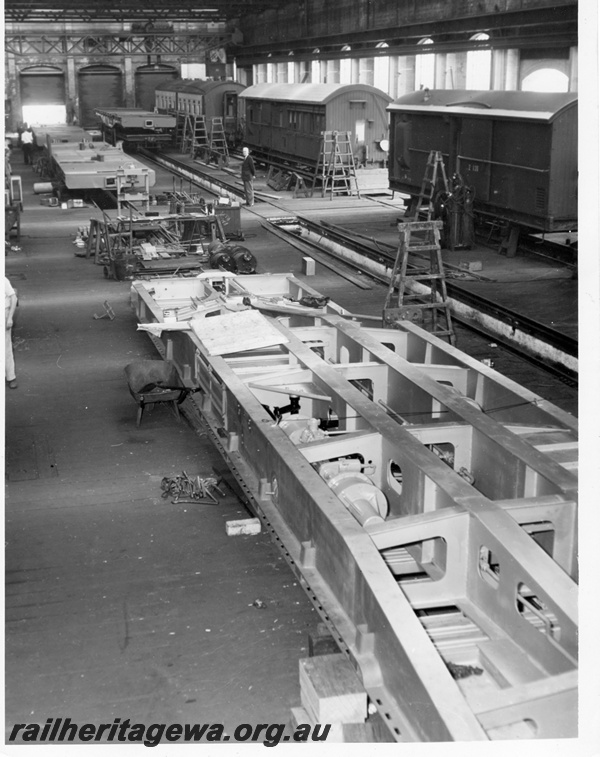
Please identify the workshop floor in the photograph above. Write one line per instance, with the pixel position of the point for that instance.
(119, 603)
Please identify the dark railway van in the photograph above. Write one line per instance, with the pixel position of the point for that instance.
(285, 121)
(517, 150)
(197, 97)
(136, 127)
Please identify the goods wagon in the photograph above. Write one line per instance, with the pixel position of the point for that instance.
(136, 127)
(517, 150)
(285, 121)
(197, 97)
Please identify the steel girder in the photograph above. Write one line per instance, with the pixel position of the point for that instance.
(60, 44)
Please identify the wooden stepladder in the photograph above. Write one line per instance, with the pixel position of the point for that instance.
(199, 134)
(419, 241)
(435, 170)
(218, 140)
(336, 167)
(186, 135)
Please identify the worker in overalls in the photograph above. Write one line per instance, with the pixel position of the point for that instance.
(27, 145)
(248, 174)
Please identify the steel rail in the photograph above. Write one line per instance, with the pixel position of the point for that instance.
(539, 330)
(542, 345)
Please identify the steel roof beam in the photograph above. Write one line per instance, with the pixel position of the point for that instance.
(181, 10)
(516, 25)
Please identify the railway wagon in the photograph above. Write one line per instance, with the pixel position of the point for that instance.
(79, 164)
(286, 120)
(198, 97)
(517, 150)
(136, 127)
(427, 503)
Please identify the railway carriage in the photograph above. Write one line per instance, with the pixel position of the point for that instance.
(197, 97)
(286, 120)
(517, 150)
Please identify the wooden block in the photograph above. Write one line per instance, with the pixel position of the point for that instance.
(350, 733)
(338, 732)
(321, 642)
(308, 266)
(299, 716)
(239, 527)
(330, 690)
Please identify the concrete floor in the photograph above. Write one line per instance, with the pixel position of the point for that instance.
(118, 603)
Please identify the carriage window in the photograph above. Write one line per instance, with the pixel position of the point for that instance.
(358, 104)
(230, 104)
(319, 122)
(293, 119)
(304, 122)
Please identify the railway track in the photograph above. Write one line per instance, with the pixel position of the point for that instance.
(544, 346)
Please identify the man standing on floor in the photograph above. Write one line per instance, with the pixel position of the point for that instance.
(248, 174)
(27, 144)
(10, 304)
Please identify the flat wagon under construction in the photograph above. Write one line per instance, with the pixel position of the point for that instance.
(78, 163)
(427, 503)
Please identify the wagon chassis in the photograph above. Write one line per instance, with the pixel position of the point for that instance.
(474, 566)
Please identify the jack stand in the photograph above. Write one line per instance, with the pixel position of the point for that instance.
(108, 313)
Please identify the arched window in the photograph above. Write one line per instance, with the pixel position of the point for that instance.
(479, 65)
(346, 67)
(302, 71)
(315, 71)
(381, 73)
(260, 73)
(425, 68)
(281, 72)
(546, 80)
(332, 72)
(366, 70)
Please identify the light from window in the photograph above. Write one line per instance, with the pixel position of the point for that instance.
(425, 68)
(479, 66)
(546, 80)
(44, 115)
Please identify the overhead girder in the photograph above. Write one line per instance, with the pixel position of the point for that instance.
(549, 27)
(61, 44)
(45, 11)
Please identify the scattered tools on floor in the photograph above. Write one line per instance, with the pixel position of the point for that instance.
(191, 491)
(108, 312)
